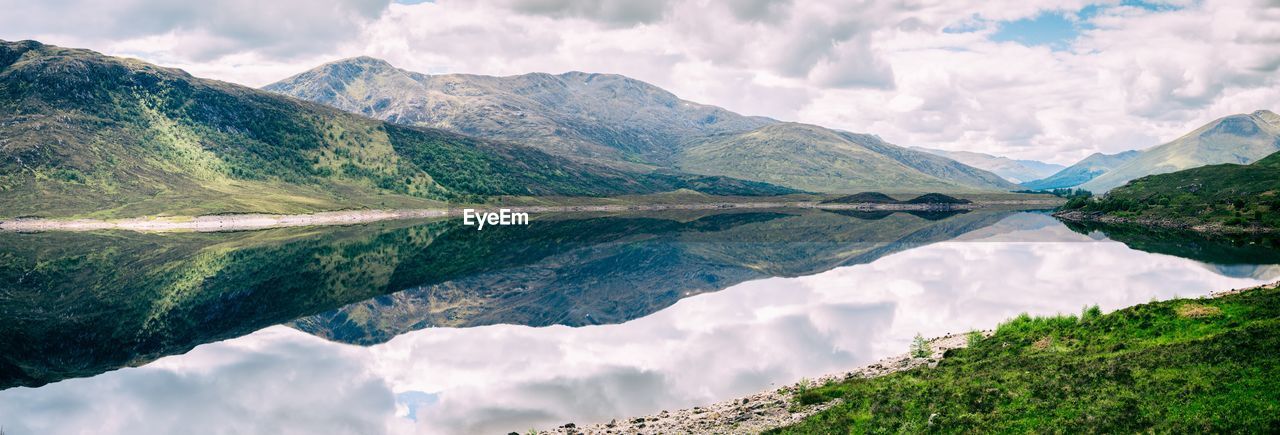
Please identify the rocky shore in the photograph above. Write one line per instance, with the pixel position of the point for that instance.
(240, 222)
(761, 411)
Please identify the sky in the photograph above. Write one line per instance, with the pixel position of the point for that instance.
(1046, 80)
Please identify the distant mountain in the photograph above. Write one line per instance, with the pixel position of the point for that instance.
(84, 133)
(1240, 139)
(599, 117)
(1016, 171)
(814, 158)
(626, 123)
(1083, 171)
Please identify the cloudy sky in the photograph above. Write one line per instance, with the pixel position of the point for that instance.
(1049, 80)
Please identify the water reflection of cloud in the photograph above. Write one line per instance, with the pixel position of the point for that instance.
(752, 336)
(273, 381)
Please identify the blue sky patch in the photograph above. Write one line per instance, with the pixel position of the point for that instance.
(1050, 28)
(415, 399)
(1057, 29)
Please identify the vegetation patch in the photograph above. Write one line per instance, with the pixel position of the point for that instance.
(880, 198)
(1195, 311)
(1230, 198)
(1174, 366)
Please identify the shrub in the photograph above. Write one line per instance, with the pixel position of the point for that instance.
(920, 347)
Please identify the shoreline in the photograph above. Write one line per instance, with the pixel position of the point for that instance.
(764, 410)
(776, 408)
(1211, 229)
(258, 221)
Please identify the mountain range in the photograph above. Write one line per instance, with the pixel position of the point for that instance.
(1083, 171)
(1239, 139)
(626, 123)
(601, 117)
(1017, 171)
(100, 136)
(88, 134)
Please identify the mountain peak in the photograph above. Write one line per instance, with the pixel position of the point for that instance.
(359, 63)
(1268, 116)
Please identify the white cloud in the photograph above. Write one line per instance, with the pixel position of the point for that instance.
(1133, 78)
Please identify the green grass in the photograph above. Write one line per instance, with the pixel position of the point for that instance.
(1170, 367)
(1230, 196)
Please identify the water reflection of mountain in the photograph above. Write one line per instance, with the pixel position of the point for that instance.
(80, 304)
(658, 264)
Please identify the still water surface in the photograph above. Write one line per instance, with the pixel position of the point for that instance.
(434, 329)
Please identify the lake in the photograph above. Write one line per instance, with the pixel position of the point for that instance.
(435, 327)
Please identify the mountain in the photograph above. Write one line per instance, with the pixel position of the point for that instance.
(598, 117)
(626, 123)
(1083, 171)
(87, 133)
(1240, 139)
(1220, 198)
(1016, 171)
(818, 159)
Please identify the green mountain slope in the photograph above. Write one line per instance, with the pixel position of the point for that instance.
(1228, 197)
(599, 117)
(87, 133)
(817, 159)
(1083, 171)
(1016, 171)
(1239, 139)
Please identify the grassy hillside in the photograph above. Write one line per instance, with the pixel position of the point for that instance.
(813, 158)
(1228, 197)
(87, 134)
(1181, 366)
(1239, 139)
